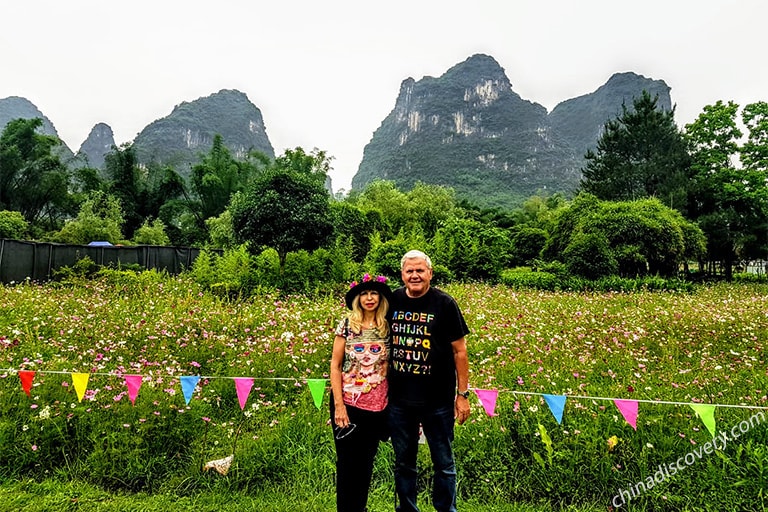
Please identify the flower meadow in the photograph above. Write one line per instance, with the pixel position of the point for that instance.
(664, 350)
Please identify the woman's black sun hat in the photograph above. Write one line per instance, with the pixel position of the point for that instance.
(378, 283)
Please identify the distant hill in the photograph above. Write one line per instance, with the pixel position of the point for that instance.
(99, 142)
(188, 131)
(580, 120)
(469, 130)
(15, 107)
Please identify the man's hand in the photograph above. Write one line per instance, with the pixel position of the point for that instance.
(461, 409)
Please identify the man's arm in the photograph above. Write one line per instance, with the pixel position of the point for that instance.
(461, 404)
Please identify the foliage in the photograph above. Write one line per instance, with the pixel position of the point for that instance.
(424, 208)
(220, 231)
(33, 180)
(588, 254)
(100, 219)
(385, 256)
(151, 234)
(215, 179)
(471, 250)
(142, 191)
(730, 203)
(527, 244)
(640, 154)
(13, 225)
(596, 238)
(283, 209)
(350, 224)
(238, 273)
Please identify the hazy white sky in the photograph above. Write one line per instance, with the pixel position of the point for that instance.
(326, 73)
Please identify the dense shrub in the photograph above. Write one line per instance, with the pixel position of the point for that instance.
(12, 225)
(151, 234)
(588, 255)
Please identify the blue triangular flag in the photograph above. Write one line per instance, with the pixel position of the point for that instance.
(188, 384)
(556, 404)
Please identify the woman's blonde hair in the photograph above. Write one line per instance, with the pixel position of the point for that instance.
(356, 316)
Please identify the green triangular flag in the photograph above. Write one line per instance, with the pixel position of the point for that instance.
(317, 388)
(706, 413)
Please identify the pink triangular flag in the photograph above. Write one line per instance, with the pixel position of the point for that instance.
(628, 409)
(133, 383)
(80, 380)
(26, 377)
(243, 387)
(488, 399)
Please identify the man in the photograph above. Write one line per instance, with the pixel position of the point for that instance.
(428, 381)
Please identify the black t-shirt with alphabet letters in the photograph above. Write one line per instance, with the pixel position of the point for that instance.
(422, 368)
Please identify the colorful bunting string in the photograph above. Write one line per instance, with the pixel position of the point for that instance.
(487, 397)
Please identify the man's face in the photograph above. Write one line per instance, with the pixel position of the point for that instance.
(416, 277)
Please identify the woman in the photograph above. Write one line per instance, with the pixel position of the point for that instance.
(359, 388)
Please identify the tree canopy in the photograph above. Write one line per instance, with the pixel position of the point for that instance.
(640, 154)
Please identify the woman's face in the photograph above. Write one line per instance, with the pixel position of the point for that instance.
(369, 300)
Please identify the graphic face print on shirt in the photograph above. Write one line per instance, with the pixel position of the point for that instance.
(365, 363)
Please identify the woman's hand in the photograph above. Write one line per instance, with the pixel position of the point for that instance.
(340, 418)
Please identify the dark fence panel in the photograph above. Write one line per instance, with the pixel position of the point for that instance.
(20, 260)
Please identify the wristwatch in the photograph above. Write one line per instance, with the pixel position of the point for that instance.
(464, 394)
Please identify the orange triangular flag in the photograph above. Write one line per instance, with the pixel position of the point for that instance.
(80, 380)
(26, 378)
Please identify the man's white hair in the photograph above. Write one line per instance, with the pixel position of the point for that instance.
(414, 254)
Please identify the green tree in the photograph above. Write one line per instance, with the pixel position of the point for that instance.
(640, 154)
(625, 237)
(283, 209)
(100, 218)
(317, 163)
(384, 197)
(527, 243)
(216, 178)
(729, 203)
(471, 249)
(151, 233)
(350, 224)
(220, 231)
(754, 153)
(142, 191)
(33, 180)
(12, 225)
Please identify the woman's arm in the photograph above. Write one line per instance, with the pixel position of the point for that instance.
(337, 359)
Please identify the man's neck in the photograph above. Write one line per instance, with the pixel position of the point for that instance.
(411, 296)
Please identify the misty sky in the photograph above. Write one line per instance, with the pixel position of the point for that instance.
(326, 73)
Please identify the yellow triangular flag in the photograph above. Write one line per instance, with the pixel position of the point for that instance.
(80, 380)
(706, 413)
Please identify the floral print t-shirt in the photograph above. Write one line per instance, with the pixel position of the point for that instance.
(364, 371)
